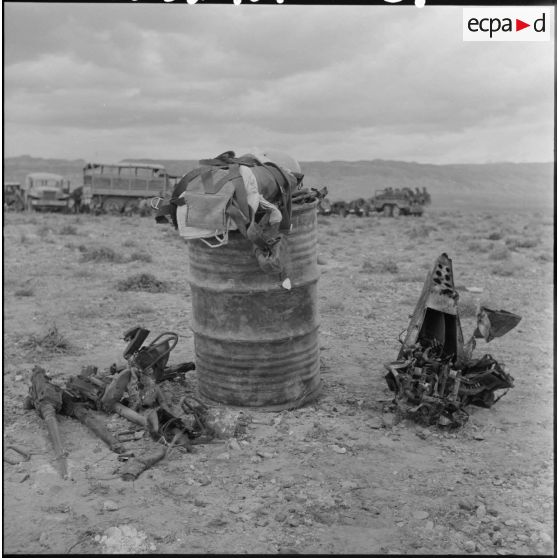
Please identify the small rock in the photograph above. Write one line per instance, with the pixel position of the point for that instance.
(510, 522)
(234, 445)
(429, 525)
(110, 505)
(322, 260)
(497, 482)
(467, 505)
(18, 378)
(338, 449)
(255, 459)
(481, 511)
(478, 437)
(223, 456)
(492, 511)
(388, 420)
(420, 514)
(469, 546)
(43, 539)
(264, 454)
(546, 538)
(280, 516)
(199, 503)
(293, 522)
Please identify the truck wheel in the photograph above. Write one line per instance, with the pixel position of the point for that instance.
(387, 210)
(396, 211)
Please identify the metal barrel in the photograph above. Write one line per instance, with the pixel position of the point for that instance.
(256, 343)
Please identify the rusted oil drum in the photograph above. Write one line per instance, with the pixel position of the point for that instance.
(256, 343)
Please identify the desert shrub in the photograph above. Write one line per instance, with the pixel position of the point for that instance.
(53, 341)
(495, 236)
(544, 257)
(332, 232)
(129, 243)
(385, 266)
(137, 310)
(503, 270)
(23, 238)
(414, 277)
(142, 282)
(421, 231)
(102, 254)
(141, 257)
(68, 229)
(25, 291)
(43, 230)
(479, 246)
(499, 253)
(516, 242)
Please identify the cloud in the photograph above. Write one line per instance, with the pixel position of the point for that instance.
(332, 82)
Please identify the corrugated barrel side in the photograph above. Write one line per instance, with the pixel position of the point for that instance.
(256, 343)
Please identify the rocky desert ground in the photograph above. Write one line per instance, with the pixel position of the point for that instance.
(339, 475)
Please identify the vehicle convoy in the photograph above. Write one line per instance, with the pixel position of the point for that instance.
(394, 202)
(45, 190)
(13, 196)
(121, 187)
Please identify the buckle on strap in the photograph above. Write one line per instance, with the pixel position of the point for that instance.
(155, 202)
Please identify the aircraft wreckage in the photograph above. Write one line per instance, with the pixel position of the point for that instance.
(435, 375)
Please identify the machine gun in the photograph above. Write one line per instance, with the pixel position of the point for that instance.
(46, 398)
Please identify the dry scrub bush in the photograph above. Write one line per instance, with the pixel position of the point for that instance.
(137, 310)
(479, 246)
(142, 282)
(385, 266)
(503, 270)
(499, 253)
(415, 277)
(129, 243)
(141, 257)
(25, 291)
(421, 231)
(334, 306)
(68, 229)
(53, 342)
(103, 254)
(514, 243)
(494, 236)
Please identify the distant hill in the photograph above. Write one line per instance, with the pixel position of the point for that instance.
(482, 185)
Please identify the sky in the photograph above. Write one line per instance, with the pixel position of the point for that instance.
(106, 82)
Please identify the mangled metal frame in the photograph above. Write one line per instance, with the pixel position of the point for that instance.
(435, 376)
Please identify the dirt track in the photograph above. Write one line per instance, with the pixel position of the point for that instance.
(337, 476)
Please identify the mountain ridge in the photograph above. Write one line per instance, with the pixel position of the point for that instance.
(506, 184)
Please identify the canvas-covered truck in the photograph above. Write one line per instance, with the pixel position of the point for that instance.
(45, 190)
(121, 187)
(394, 202)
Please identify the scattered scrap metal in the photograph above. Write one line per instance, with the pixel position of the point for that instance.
(133, 391)
(435, 375)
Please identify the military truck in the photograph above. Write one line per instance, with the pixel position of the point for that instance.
(121, 187)
(394, 202)
(13, 197)
(45, 190)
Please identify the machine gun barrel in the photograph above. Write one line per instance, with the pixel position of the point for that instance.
(46, 398)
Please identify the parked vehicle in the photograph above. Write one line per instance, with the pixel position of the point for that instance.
(13, 196)
(359, 207)
(394, 202)
(45, 190)
(121, 187)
